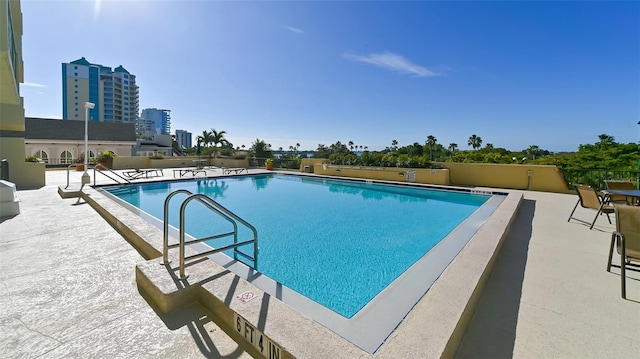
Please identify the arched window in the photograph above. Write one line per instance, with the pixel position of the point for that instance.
(65, 157)
(43, 156)
(92, 156)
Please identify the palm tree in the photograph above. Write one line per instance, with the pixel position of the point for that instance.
(351, 145)
(431, 141)
(217, 138)
(261, 149)
(532, 151)
(394, 145)
(453, 147)
(176, 147)
(205, 139)
(489, 146)
(294, 149)
(475, 142)
(605, 141)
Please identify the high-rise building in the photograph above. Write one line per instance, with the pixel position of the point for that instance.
(12, 125)
(184, 138)
(161, 120)
(114, 92)
(146, 128)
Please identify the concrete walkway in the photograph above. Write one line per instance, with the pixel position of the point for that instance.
(68, 290)
(550, 296)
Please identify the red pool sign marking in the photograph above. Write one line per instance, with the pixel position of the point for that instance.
(246, 296)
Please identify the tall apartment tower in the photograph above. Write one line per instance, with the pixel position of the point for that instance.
(161, 120)
(184, 138)
(114, 92)
(12, 124)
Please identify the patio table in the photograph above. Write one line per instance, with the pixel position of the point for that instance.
(633, 193)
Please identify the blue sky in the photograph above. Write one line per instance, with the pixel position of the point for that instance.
(516, 73)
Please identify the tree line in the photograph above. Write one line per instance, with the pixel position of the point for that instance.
(606, 153)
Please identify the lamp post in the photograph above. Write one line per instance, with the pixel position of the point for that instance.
(87, 107)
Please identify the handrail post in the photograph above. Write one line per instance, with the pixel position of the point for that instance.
(165, 232)
(255, 249)
(182, 244)
(67, 177)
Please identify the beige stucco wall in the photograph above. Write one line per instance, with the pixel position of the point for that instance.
(229, 162)
(24, 174)
(422, 175)
(12, 117)
(512, 176)
(128, 162)
(31, 176)
(173, 162)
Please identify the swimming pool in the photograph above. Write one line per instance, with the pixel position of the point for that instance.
(344, 244)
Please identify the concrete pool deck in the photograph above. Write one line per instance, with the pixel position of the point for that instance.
(69, 289)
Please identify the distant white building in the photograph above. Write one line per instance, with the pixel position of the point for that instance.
(184, 138)
(146, 128)
(158, 145)
(160, 119)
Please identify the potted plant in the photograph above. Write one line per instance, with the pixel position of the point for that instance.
(269, 163)
(105, 159)
(80, 163)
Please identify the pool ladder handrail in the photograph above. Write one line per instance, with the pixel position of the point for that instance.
(95, 168)
(219, 210)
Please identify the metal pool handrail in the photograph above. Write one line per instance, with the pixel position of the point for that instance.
(219, 210)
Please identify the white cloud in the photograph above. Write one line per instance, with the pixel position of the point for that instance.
(293, 29)
(393, 62)
(32, 84)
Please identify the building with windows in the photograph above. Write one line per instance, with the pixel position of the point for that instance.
(12, 124)
(114, 92)
(159, 119)
(184, 138)
(158, 145)
(145, 128)
(59, 142)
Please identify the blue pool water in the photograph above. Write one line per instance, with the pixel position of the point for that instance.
(336, 242)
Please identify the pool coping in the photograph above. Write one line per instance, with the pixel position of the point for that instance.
(448, 305)
(370, 326)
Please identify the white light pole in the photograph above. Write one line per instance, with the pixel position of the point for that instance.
(87, 107)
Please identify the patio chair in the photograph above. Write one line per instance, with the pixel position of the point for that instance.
(627, 240)
(616, 184)
(588, 197)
